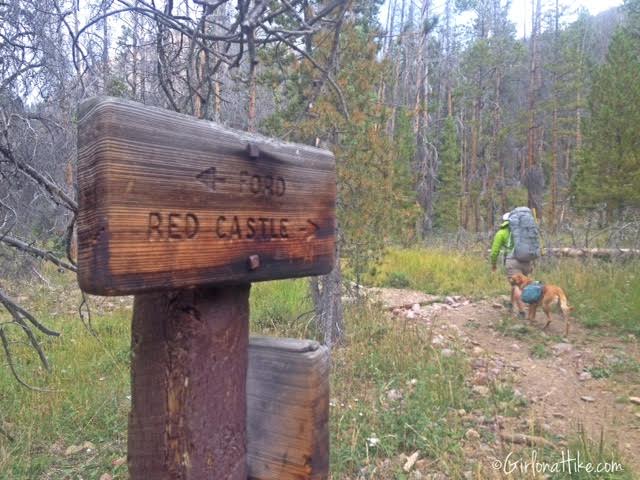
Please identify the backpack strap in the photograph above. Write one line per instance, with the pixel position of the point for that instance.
(507, 248)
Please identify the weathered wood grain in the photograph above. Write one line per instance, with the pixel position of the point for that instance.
(168, 201)
(287, 409)
(188, 384)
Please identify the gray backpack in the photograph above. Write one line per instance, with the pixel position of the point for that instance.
(525, 234)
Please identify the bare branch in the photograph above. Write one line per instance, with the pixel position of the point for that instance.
(30, 335)
(14, 309)
(12, 367)
(86, 321)
(57, 194)
(334, 85)
(5, 219)
(37, 252)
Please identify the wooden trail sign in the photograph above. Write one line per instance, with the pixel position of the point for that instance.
(169, 201)
(186, 214)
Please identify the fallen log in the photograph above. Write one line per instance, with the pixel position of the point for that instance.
(592, 252)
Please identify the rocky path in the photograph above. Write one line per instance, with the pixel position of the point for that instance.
(588, 382)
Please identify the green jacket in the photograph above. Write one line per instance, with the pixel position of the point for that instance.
(501, 242)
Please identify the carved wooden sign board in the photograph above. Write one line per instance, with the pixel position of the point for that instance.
(168, 201)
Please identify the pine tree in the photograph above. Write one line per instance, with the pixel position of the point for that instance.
(609, 172)
(351, 123)
(404, 204)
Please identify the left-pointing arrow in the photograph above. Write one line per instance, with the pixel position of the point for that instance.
(209, 178)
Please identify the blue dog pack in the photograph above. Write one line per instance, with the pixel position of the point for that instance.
(532, 293)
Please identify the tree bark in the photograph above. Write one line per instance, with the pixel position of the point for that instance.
(495, 169)
(533, 199)
(465, 180)
(473, 167)
(425, 162)
(554, 131)
(326, 292)
(554, 167)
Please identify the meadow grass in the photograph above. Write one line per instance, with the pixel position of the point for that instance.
(602, 293)
(86, 399)
(370, 424)
(282, 308)
(582, 459)
(438, 271)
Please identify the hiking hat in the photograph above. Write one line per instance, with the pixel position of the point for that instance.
(505, 217)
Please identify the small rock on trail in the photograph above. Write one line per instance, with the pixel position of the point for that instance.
(411, 461)
(561, 348)
(472, 434)
(584, 376)
(481, 390)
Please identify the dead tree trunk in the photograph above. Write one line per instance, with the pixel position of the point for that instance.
(534, 200)
(554, 134)
(425, 162)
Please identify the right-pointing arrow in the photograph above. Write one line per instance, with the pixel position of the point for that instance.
(312, 228)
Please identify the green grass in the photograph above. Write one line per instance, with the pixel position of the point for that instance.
(282, 308)
(602, 293)
(582, 451)
(87, 401)
(378, 358)
(540, 350)
(516, 328)
(438, 271)
(620, 366)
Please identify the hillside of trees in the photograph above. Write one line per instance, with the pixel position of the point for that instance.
(438, 126)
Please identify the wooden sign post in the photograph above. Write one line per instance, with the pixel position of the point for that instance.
(186, 214)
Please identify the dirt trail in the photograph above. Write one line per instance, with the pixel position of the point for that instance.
(554, 375)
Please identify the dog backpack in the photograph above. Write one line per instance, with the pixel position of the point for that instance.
(525, 234)
(532, 293)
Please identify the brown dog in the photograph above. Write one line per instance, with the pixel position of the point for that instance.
(551, 294)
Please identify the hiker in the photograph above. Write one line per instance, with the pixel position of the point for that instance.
(518, 238)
